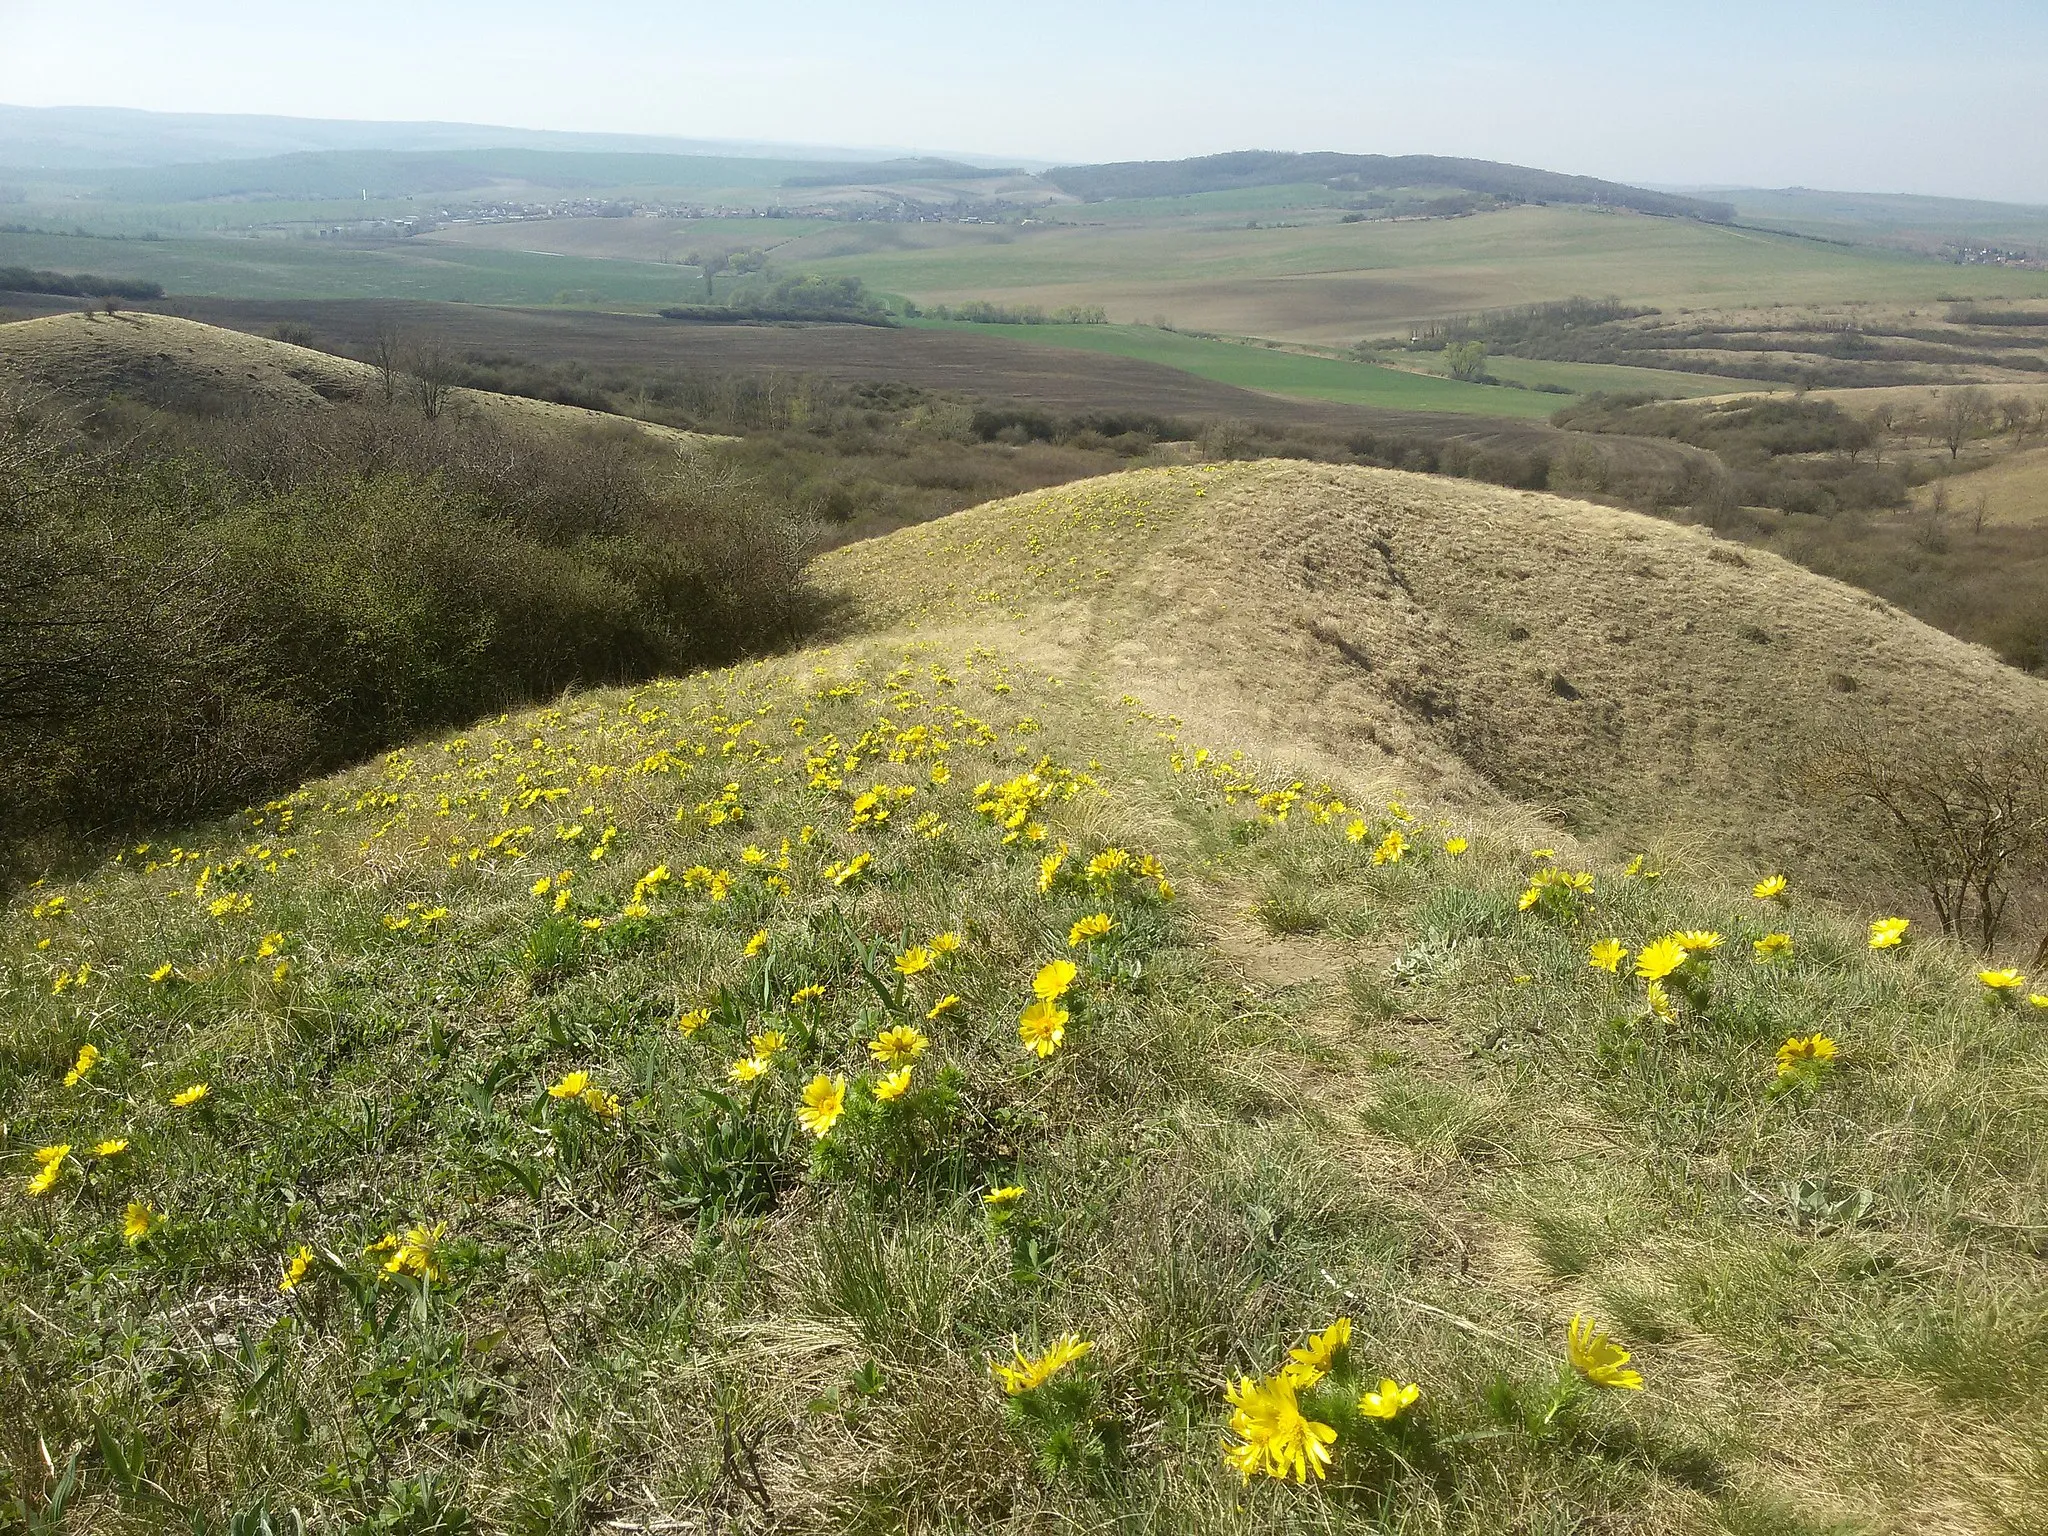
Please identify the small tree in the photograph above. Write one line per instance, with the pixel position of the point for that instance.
(430, 377)
(1967, 823)
(387, 347)
(1961, 415)
(710, 263)
(1466, 360)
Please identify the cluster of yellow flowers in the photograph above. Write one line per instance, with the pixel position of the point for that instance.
(1273, 1433)
(580, 779)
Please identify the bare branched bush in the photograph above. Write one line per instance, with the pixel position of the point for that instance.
(1967, 824)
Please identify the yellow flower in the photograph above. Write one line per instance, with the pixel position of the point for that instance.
(572, 1086)
(1358, 831)
(694, 1020)
(1541, 854)
(1889, 932)
(141, 1219)
(1025, 1374)
(2002, 982)
(419, 1253)
(767, 1043)
(1659, 1001)
(1607, 955)
(1042, 1027)
(1391, 847)
(804, 995)
(757, 943)
(898, 1044)
(1660, 959)
(1311, 1363)
(824, 1101)
(272, 943)
(113, 1147)
(2038, 999)
(88, 1058)
(161, 974)
(914, 959)
(946, 943)
(950, 1000)
(185, 1098)
(1053, 980)
(1770, 888)
(1696, 939)
(1274, 1436)
(1008, 1194)
(1598, 1358)
(1089, 929)
(746, 1071)
(839, 874)
(1802, 1050)
(894, 1086)
(49, 1168)
(1772, 945)
(1107, 865)
(1388, 1402)
(601, 1104)
(1455, 846)
(1049, 868)
(300, 1266)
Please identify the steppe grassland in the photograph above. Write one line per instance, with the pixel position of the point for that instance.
(1315, 1061)
(2013, 490)
(78, 356)
(1628, 673)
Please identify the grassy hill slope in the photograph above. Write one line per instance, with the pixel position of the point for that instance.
(184, 364)
(448, 1204)
(1625, 671)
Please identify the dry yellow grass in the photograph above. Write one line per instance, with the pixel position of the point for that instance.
(161, 357)
(1615, 672)
(2013, 490)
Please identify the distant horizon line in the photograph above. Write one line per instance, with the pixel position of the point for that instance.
(768, 149)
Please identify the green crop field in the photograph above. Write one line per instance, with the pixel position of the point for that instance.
(1282, 373)
(278, 268)
(1586, 378)
(1329, 283)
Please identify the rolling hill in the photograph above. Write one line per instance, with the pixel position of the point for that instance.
(1150, 936)
(162, 359)
(1366, 173)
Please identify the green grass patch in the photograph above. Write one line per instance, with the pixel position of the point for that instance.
(1250, 366)
(296, 267)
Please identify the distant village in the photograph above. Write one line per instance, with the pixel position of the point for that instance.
(876, 208)
(1990, 256)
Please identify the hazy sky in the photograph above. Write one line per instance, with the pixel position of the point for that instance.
(1881, 95)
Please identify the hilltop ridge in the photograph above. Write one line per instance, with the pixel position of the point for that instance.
(1632, 676)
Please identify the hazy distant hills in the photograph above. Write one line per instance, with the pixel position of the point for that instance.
(1266, 168)
(164, 156)
(80, 138)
